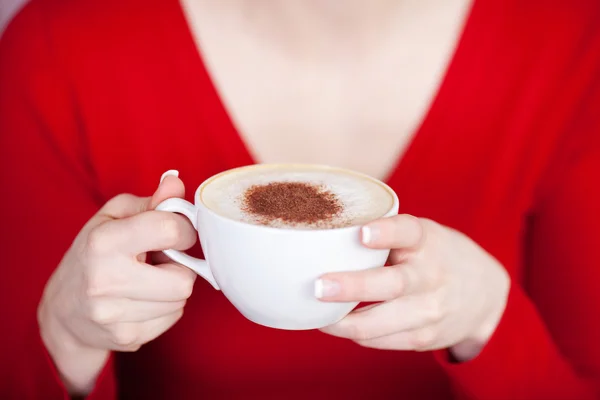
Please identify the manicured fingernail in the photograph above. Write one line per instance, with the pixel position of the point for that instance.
(369, 234)
(171, 172)
(325, 288)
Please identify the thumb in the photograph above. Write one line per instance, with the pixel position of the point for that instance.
(170, 186)
(121, 206)
(128, 205)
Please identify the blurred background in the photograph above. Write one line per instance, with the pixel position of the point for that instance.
(8, 8)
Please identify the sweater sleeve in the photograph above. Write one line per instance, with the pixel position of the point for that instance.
(47, 196)
(547, 345)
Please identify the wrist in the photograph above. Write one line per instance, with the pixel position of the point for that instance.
(77, 364)
(471, 346)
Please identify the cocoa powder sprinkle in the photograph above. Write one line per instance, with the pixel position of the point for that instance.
(291, 203)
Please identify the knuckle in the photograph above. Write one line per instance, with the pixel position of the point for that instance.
(130, 349)
(97, 243)
(170, 230)
(177, 316)
(418, 222)
(180, 283)
(186, 286)
(125, 336)
(104, 281)
(418, 228)
(358, 333)
(436, 277)
(119, 199)
(423, 339)
(95, 283)
(433, 309)
(398, 284)
(359, 287)
(410, 279)
(431, 231)
(426, 222)
(102, 314)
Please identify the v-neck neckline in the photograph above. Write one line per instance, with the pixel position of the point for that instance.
(238, 152)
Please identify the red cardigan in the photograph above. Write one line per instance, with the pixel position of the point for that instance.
(101, 97)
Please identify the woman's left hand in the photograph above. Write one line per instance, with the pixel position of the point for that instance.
(441, 291)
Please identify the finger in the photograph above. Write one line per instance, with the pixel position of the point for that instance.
(171, 267)
(148, 231)
(123, 206)
(126, 205)
(160, 260)
(137, 281)
(129, 336)
(399, 256)
(375, 284)
(156, 327)
(398, 232)
(407, 313)
(164, 282)
(421, 339)
(170, 186)
(109, 310)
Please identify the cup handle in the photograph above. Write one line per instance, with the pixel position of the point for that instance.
(197, 265)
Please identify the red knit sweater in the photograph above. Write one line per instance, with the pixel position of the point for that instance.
(101, 97)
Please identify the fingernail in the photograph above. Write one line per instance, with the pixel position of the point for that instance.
(325, 288)
(369, 234)
(171, 172)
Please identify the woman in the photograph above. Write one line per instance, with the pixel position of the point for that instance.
(483, 116)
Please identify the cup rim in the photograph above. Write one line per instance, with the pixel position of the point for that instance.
(198, 202)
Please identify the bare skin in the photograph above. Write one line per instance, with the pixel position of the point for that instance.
(357, 78)
(322, 81)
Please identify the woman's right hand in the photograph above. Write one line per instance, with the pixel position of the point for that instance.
(104, 296)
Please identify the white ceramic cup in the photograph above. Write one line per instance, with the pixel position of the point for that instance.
(269, 273)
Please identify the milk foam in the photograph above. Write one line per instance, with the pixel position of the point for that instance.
(362, 199)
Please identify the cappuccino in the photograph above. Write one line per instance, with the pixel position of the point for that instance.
(297, 196)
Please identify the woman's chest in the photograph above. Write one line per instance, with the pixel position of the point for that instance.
(349, 99)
